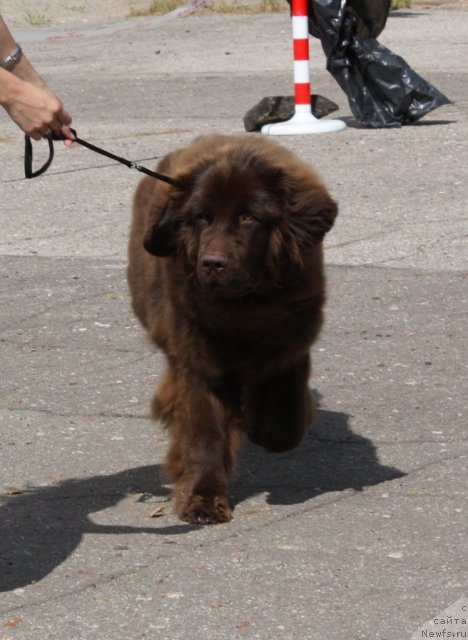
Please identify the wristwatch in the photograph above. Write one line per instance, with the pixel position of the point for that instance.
(9, 62)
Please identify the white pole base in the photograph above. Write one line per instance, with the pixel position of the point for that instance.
(302, 123)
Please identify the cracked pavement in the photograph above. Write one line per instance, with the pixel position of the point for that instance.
(361, 532)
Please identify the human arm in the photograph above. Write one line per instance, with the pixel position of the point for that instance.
(26, 98)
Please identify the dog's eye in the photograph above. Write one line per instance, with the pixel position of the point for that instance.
(246, 218)
(202, 218)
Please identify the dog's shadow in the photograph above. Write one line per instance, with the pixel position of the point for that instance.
(41, 527)
(330, 459)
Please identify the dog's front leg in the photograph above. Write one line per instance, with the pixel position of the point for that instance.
(200, 455)
(279, 410)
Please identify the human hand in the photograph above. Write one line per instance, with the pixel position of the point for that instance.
(38, 111)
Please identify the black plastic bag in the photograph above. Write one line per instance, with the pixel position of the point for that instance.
(382, 89)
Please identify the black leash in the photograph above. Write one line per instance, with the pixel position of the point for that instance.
(28, 158)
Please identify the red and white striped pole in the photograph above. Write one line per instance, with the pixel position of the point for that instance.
(303, 121)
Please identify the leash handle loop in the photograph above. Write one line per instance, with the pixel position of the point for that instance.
(28, 158)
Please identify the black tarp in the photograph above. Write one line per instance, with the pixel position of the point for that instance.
(382, 89)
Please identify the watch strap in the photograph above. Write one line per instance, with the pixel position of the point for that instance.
(9, 62)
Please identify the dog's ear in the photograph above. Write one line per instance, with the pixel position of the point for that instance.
(160, 238)
(313, 216)
(158, 201)
(311, 210)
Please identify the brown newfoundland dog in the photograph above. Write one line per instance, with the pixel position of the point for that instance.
(226, 275)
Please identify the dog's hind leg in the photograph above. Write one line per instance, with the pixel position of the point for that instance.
(162, 406)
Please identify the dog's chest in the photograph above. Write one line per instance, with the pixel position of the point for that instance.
(249, 344)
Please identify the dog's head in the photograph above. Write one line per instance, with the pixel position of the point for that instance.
(246, 214)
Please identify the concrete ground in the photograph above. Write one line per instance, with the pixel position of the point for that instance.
(361, 532)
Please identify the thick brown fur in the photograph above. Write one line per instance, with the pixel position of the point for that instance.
(226, 275)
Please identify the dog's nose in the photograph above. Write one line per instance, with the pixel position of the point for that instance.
(214, 261)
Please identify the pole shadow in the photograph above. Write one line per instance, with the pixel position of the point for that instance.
(399, 13)
(352, 123)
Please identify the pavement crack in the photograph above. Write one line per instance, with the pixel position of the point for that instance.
(417, 249)
(65, 414)
(91, 584)
(417, 470)
(88, 167)
(57, 305)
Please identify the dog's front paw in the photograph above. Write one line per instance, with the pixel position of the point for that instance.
(198, 509)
